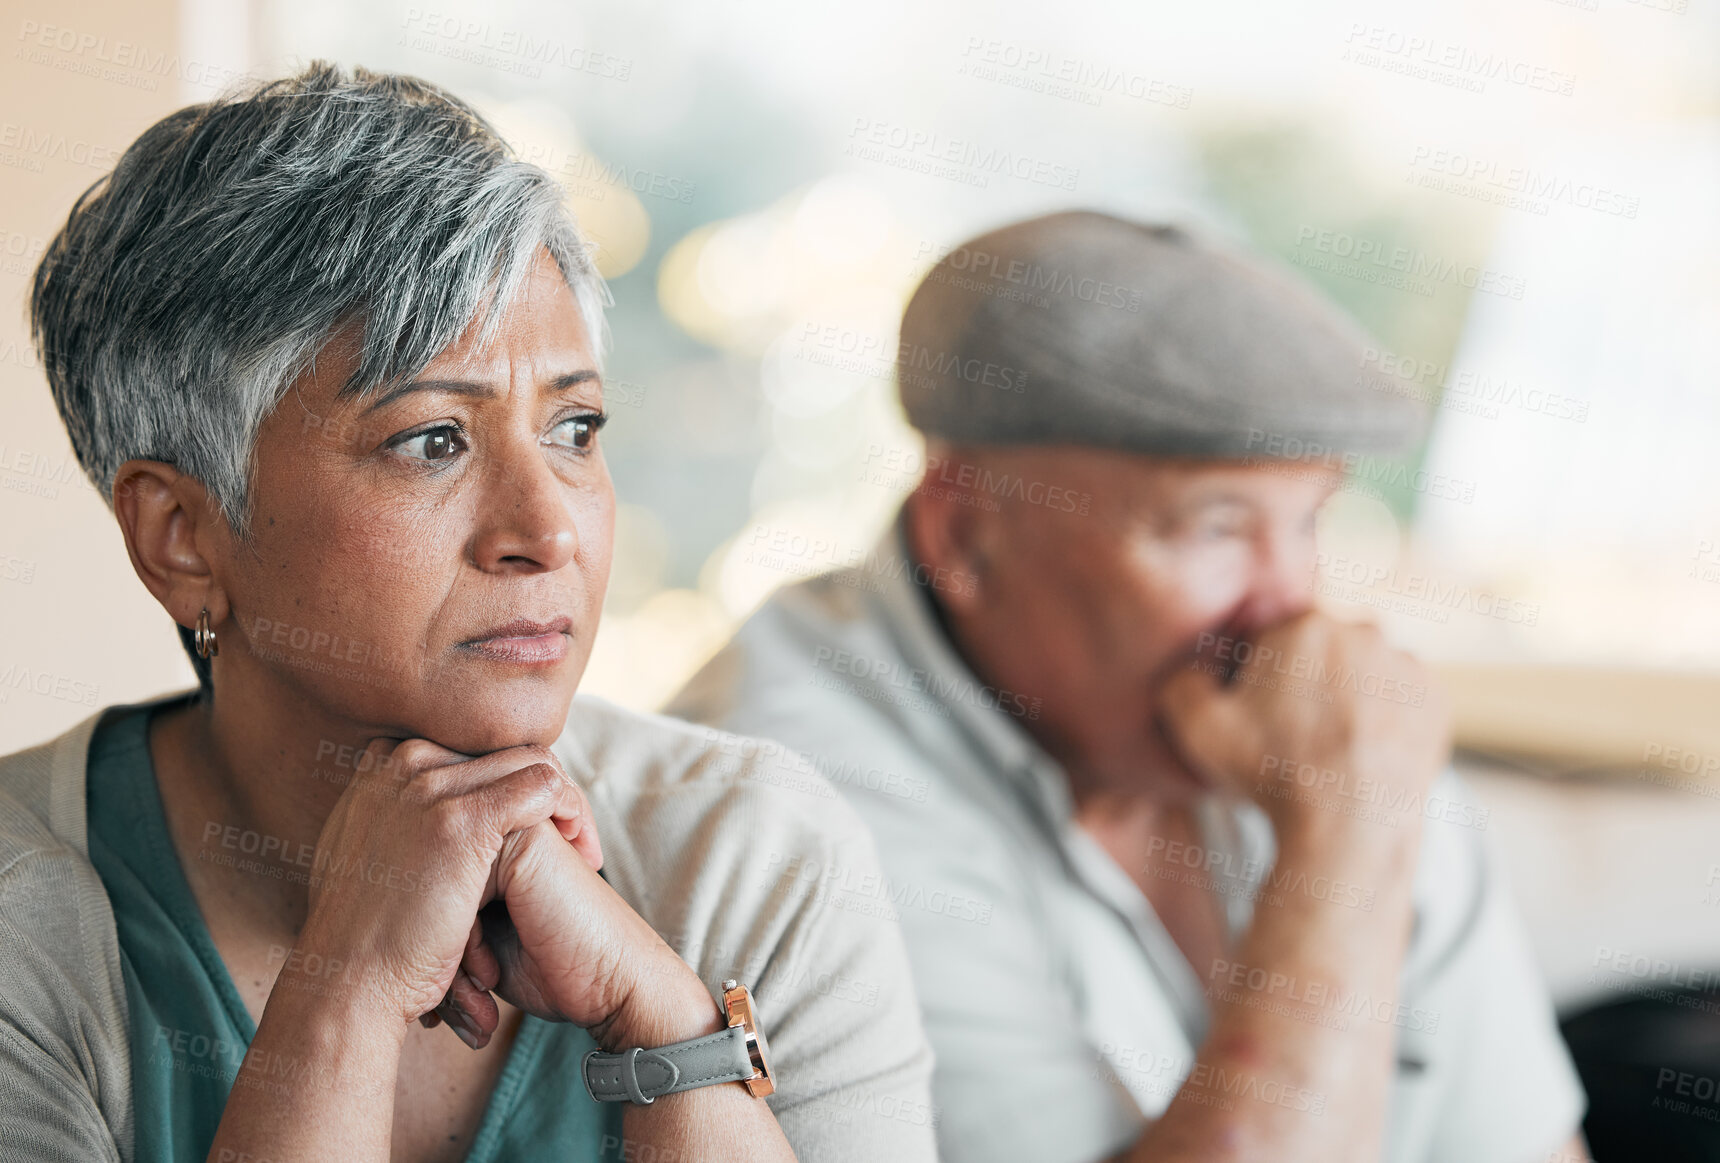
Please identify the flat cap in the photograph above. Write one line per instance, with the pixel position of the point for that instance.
(1081, 328)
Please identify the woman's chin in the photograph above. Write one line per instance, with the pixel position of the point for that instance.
(480, 725)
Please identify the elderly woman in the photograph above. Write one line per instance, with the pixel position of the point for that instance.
(333, 353)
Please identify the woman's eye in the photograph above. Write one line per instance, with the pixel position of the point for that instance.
(578, 432)
(432, 444)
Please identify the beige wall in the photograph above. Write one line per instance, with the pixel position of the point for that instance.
(77, 629)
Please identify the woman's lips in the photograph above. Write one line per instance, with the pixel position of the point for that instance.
(524, 641)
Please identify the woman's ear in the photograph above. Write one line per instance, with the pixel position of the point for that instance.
(172, 528)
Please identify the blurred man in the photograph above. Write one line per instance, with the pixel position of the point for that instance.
(1181, 868)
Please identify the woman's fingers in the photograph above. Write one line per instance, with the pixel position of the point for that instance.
(471, 1011)
(437, 823)
(504, 791)
(582, 834)
(518, 796)
(480, 962)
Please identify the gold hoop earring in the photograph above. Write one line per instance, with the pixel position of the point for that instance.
(204, 637)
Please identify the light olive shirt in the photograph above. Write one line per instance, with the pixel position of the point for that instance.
(1063, 1015)
(700, 836)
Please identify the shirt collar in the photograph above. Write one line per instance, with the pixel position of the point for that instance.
(1018, 758)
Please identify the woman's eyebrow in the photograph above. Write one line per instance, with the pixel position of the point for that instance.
(475, 388)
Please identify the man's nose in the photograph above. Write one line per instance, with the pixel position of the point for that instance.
(525, 524)
(1281, 584)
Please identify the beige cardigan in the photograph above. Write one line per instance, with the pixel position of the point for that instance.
(709, 837)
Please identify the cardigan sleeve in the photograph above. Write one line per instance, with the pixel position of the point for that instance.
(65, 1069)
(750, 866)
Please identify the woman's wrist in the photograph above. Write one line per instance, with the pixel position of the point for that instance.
(334, 1052)
(324, 974)
(667, 1004)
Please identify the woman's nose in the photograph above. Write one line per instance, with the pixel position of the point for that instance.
(525, 523)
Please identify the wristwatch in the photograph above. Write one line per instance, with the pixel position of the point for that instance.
(737, 1053)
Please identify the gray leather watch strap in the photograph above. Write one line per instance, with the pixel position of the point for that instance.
(641, 1076)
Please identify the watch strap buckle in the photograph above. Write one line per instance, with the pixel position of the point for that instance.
(642, 1076)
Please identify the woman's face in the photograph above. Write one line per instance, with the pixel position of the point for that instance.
(431, 561)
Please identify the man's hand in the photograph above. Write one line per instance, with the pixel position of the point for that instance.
(1247, 713)
(1310, 692)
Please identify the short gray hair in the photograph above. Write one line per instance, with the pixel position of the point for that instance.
(189, 288)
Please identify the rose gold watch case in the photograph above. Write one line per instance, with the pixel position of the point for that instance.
(738, 1006)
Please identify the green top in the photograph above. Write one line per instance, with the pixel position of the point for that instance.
(190, 1030)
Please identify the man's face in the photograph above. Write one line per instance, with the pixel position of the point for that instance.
(1091, 613)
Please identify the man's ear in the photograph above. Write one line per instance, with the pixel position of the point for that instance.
(949, 529)
(172, 530)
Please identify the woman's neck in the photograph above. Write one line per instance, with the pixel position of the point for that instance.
(247, 783)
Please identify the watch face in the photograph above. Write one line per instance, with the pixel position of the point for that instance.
(738, 1002)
